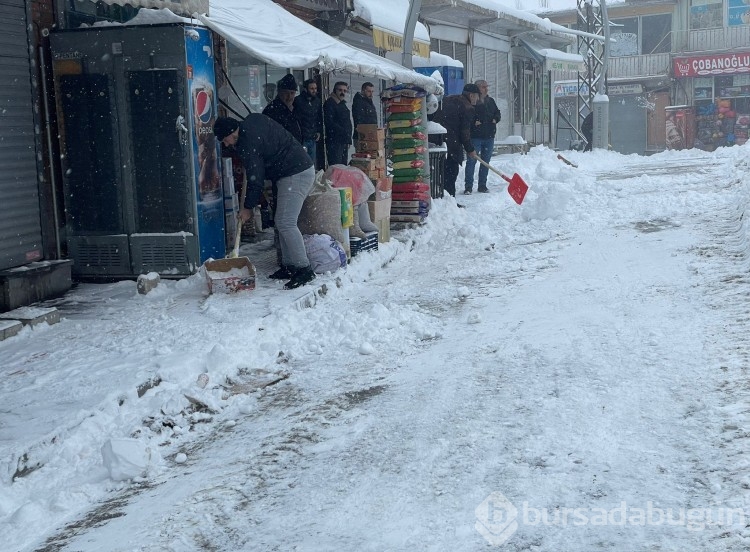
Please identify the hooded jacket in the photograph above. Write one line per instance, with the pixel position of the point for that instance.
(279, 112)
(487, 115)
(363, 111)
(457, 116)
(268, 152)
(338, 122)
(309, 112)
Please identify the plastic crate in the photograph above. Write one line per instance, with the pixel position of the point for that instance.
(437, 173)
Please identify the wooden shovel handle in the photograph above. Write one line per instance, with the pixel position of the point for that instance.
(493, 169)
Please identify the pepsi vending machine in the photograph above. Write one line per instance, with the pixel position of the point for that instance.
(136, 107)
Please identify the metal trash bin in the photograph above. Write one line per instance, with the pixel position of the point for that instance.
(437, 171)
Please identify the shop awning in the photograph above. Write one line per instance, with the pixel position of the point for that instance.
(554, 60)
(270, 33)
(387, 18)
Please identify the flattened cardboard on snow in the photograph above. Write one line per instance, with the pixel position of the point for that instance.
(230, 275)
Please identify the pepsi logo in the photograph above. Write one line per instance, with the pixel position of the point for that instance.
(203, 107)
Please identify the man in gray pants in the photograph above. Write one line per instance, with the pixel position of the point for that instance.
(269, 152)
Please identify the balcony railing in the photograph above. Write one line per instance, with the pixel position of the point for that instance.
(638, 66)
(707, 40)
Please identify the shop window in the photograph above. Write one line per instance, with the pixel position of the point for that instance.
(706, 14)
(79, 13)
(656, 31)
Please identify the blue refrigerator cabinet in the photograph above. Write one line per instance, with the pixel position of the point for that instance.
(141, 172)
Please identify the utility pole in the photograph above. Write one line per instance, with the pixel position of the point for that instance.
(592, 87)
(411, 23)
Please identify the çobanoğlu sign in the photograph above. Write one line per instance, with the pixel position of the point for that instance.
(726, 64)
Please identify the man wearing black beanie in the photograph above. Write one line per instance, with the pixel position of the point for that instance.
(457, 116)
(269, 152)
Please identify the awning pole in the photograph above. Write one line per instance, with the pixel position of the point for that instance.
(411, 22)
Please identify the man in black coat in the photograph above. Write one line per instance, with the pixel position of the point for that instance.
(457, 116)
(309, 112)
(281, 109)
(486, 117)
(363, 108)
(269, 152)
(338, 125)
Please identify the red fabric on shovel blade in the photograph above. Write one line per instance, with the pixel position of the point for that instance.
(517, 188)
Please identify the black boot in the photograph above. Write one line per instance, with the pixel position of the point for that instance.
(282, 274)
(300, 277)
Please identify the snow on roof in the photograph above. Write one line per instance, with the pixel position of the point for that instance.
(389, 15)
(436, 60)
(268, 32)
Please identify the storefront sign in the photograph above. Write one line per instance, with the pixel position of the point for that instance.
(395, 43)
(563, 65)
(725, 64)
(567, 90)
(621, 89)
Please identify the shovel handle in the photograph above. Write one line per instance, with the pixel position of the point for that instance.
(561, 158)
(493, 169)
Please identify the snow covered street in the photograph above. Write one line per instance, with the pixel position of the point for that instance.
(568, 374)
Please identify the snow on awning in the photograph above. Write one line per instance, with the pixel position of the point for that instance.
(268, 32)
(181, 7)
(554, 60)
(388, 18)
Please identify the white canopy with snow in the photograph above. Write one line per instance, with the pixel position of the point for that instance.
(270, 33)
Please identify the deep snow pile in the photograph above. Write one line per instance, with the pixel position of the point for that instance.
(571, 352)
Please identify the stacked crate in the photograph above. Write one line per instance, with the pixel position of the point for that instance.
(370, 158)
(409, 156)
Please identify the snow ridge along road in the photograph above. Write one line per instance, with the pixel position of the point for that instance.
(581, 357)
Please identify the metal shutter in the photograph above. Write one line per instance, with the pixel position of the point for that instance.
(478, 66)
(20, 229)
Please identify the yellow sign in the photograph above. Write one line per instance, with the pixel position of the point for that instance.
(395, 43)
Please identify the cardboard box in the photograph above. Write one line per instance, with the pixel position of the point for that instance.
(229, 275)
(371, 133)
(373, 148)
(368, 165)
(379, 209)
(384, 230)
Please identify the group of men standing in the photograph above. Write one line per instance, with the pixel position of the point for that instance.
(304, 117)
(471, 121)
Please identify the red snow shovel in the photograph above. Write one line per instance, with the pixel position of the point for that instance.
(517, 188)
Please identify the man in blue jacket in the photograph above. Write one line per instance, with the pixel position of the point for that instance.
(269, 152)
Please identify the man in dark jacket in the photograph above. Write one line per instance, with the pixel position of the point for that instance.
(309, 112)
(269, 152)
(587, 128)
(281, 109)
(457, 116)
(486, 117)
(363, 108)
(338, 125)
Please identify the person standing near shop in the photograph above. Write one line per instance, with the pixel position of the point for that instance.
(309, 112)
(587, 128)
(281, 109)
(486, 117)
(337, 125)
(363, 108)
(269, 152)
(457, 116)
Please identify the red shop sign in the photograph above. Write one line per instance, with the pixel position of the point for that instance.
(723, 64)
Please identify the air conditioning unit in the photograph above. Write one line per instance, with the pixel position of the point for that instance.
(331, 22)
